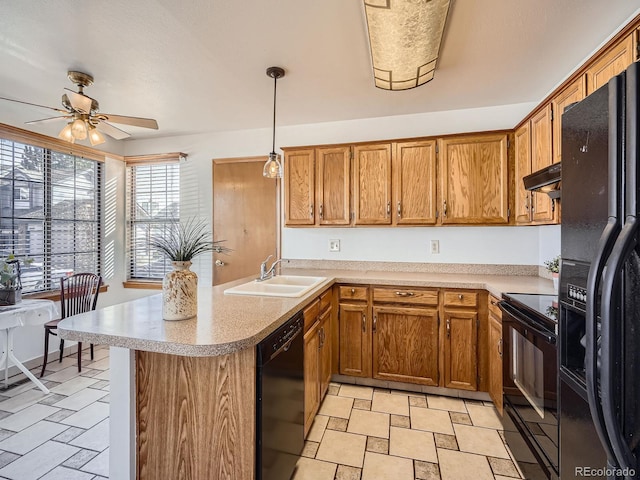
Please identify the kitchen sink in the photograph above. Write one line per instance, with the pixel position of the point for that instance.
(278, 286)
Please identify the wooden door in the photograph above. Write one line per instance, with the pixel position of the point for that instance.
(311, 375)
(474, 183)
(299, 187)
(325, 352)
(355, 340)
(541, 157)
(495, 361)
(460, 349)
(245, 214)
(572, 93)
(523, 168)
(405, 344)
(611, 63)
(372, 184)
(414, 183)
(332, 188)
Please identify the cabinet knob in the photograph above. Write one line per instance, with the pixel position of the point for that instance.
(448, 327)
(311, 211)
(444, 208)
(321, 213)
(375, 320)
(500, 347)
(405, 294)
(388, 208)
(399, 210)
(353, 291)
(364, 323)
(219, 263)
(459, 296)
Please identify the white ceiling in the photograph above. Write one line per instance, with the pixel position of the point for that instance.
(199, 65)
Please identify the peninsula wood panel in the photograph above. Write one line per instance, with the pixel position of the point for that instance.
(414, 183)
(460, 349)
(541, 157)
(299, 189)
(611, 63)
(332, 188)
(311, 375)
(372, 184)
(195, 416)
(474, 180)
(405, 344)
(572, 93)
(522, 169)
(355, 340)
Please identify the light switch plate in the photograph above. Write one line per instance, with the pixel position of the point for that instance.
(435, 246)
(334, 245)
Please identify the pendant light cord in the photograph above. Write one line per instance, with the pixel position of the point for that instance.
(273, 144)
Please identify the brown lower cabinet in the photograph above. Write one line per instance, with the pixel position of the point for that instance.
(460, 349)
(495, 353)
(355, 339)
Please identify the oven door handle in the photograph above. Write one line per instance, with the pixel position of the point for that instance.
(517, 316)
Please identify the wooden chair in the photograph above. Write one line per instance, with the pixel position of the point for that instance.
(78, 294)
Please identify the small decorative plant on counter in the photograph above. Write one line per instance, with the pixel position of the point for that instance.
(183, 243)
(553, 266)
(10, 282)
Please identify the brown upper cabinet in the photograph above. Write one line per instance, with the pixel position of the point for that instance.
(414, 183)
(299, 189)
(474, 183)
(611, 63)
(332, 187)
(522, 140)
(574, 92)
(372, 184)
(541, 157)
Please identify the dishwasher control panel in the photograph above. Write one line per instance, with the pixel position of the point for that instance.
(280, 338)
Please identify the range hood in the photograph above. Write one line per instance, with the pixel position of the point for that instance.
(546, 180)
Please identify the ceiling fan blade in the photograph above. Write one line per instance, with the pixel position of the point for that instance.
(34, 105)
(112, 131)
(80, 103)
(47, 120)
(133, 121)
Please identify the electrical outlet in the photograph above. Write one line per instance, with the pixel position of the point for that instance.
(435, 246)
(334, 245)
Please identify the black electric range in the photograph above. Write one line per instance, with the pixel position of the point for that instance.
(543, 307)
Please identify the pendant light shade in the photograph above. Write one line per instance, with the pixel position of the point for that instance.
(273, 167)
(66, 134)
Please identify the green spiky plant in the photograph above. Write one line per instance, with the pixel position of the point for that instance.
(553, 265)
(186, 241)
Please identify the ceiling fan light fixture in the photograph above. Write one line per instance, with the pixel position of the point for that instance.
(405, 38)
(79, 129)
(273, 167)
(95, 137)
(65, 134)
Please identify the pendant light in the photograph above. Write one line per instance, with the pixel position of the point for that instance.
(273, 167)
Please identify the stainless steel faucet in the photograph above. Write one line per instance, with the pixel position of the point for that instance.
(267, 273)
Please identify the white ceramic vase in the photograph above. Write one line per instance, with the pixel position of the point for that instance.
(180, 293)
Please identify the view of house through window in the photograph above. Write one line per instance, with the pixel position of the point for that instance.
(50, 213)
(154, 208)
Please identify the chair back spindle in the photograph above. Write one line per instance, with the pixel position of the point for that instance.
(79, 293)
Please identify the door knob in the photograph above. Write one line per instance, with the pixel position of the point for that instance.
(219, 263)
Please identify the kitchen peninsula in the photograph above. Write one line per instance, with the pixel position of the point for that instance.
(183, 393)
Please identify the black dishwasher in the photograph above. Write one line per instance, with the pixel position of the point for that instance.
(280, 401)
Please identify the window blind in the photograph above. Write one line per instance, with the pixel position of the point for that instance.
(153, 192)
(50, 213)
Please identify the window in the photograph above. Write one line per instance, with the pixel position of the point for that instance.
(153, 206)
(49, 213)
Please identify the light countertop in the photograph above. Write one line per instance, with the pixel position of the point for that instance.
(228, 323)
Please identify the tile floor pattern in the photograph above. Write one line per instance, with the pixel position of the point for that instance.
(364, 433)
(63, 435)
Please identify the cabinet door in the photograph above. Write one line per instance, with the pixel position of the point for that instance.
(571, 94)
(405, 344)
(355, 340)
(473, 171)
(372, 184)
(495, 361)
(523, 168)
(541, 157)
(460, 349)
(610, 64)
(332, 189)
(414, 183)
(311, 375)
(299, 187)
(325, 352)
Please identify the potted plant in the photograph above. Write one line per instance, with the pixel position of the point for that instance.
(183, 243)
(553, 266)
(10, 282)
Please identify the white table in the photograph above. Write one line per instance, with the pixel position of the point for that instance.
(25, 313)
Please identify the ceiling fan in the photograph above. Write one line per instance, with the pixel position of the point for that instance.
(82, 115)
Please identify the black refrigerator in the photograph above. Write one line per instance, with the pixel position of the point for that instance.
(599, 293)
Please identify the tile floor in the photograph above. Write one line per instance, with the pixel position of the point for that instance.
(364, 433)
(360, 433)
(63, 435)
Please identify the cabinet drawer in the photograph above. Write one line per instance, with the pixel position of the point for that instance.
(493, 306)
(311, 314)
(413, 296)
(325, 300)
(348, 292)
(460, 299)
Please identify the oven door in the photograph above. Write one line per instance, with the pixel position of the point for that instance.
(530, 382)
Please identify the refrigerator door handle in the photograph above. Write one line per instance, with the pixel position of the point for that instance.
(611, 282)
(605, 244)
